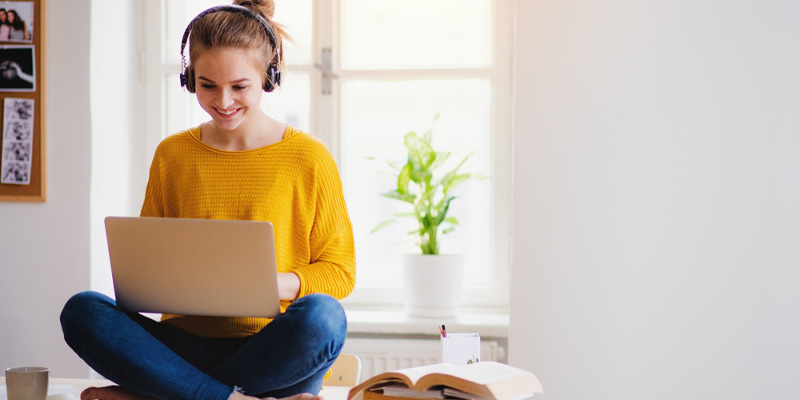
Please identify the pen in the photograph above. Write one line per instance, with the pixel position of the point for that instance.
(443, 331)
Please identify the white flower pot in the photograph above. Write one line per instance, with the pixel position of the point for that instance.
(432, 284)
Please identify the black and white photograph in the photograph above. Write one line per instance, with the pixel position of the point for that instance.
(17, 150)
(18, 130)
(16, 21)
(19, 110)
(17, 69)
(16, 173)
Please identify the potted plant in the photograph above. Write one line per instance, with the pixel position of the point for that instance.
(432, 281)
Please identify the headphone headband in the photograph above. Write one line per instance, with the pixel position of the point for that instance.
(273, 72)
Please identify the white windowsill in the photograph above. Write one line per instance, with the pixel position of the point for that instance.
(393, 322)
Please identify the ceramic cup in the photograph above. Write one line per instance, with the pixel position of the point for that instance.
(27, 383)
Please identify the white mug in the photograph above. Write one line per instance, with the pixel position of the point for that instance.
(27, 383)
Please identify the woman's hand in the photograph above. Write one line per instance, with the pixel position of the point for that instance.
(288, 285)
(10, 70)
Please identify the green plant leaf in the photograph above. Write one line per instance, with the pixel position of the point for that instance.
(382, 225)
(455, 181)
(408, 198)
(426, 200)
(403, 179)
(419, 151)
(452, 178)
(428, 137)
(426, 221)
(420, 177)
(441, 157)
(395, 166)
(443, 213)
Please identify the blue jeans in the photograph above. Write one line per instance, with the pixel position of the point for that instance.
(290, 355)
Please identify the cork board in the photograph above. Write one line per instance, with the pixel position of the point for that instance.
(22, 78)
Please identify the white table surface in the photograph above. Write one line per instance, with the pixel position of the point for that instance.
(70, 389)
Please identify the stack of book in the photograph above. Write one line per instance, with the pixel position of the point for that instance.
(479, 381)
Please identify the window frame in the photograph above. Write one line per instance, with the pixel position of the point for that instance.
(324, 122)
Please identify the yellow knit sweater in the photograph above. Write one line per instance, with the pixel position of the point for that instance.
(293, 183)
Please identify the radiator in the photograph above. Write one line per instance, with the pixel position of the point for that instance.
(380, 355)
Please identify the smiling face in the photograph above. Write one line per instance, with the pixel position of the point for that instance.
(228, 86)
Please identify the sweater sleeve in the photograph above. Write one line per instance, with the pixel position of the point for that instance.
(332, 268)
(153, 205)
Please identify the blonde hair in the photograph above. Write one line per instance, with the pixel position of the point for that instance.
(219, 30)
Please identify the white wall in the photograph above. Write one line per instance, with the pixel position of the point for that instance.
(657, 182)
(93, 118)
(44, 251)
(117, 122)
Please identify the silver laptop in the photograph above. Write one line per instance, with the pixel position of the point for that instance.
(194, 266)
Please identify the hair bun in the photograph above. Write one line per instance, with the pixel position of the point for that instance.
(264, 7)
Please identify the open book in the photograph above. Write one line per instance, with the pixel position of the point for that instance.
(485, 380)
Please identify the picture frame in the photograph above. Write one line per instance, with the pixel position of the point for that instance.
(17, 21)
(22, 89)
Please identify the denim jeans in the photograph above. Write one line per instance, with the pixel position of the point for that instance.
(290, 355)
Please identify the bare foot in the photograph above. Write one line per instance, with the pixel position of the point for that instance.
(301, 396)
(118, 393)
(111, 393)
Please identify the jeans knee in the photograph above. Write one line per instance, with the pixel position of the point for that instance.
(81, 306)
(325, 314)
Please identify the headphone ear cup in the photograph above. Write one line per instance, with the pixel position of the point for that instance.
(273, 78)
(187, 80)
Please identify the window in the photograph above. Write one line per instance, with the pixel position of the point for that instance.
(390, 69)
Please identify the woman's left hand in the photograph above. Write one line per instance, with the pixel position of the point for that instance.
(288, 285)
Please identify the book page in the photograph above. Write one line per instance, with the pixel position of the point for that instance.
(490, 380)
(402, 391)
(486, 379)
(409, 376)
(417, 373)
(482, 373)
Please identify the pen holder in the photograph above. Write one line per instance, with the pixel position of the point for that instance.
(461, 348)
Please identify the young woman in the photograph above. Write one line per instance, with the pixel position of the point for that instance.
(5, 28)
(19, 29)
(241, 164)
